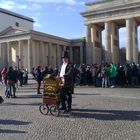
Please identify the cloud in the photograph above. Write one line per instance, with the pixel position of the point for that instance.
(70, 9)
(37, 24)
(36, 6)
(69, 2)
(12, 5)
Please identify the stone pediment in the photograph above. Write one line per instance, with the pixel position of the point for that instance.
(12, 31)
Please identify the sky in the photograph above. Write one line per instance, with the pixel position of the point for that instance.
(56, 17)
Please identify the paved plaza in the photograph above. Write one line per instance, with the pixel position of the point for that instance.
(98, 114)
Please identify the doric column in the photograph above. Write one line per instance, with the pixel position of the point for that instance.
(65, 48)
(96, 44)
(71, 54)
(9, 52)
(115, 43)
(19, 54)
(41, 54)
(88, 45)
(107, 42)
(49, 53)
(53, 55)
(30, 55)
(58, 53)
(81, 54)
(88, 33)
(129, 40)
(135, 42)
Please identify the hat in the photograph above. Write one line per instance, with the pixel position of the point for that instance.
(65, 55)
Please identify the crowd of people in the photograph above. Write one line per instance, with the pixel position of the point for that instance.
(10, 78)
(107, 75)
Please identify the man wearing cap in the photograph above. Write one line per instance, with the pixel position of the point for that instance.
(66, 74)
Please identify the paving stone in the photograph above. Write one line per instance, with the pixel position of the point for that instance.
(97, 114)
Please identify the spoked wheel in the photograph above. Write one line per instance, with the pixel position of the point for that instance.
(54, 110)
(44, 109)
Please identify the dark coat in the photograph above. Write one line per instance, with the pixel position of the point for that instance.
(69, 78)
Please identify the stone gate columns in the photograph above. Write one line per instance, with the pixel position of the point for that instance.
(108, 42)
(114, 43)
(131, 41)
(88, 44)
(135, 42)
(96, 44)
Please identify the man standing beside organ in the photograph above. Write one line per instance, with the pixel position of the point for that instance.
(66, 74)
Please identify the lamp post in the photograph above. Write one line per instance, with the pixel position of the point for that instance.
(18, 60)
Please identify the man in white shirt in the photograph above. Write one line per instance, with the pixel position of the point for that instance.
(66, 74)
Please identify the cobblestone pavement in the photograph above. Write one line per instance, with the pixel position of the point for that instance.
(98, 114)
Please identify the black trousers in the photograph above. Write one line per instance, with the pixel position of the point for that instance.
(66, 98)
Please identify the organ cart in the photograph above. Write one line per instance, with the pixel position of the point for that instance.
(51, 96)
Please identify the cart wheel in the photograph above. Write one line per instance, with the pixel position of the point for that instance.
(44, 109)
(54, 110)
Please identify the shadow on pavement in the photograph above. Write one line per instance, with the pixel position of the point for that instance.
(13, 122)
(108, 115)
(86, 94)
(24, 104)
(29, 96)
(11, 131)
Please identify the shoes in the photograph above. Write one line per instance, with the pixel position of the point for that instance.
(14, 96)
(112, 86)
(67, 111)
(39, 93)
(62, 108)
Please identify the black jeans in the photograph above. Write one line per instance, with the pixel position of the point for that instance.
(66, 98)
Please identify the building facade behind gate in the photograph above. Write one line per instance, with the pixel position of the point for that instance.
(24, 47)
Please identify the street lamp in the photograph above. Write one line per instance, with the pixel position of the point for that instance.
(18, 60)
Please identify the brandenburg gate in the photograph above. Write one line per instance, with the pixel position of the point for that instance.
(110, 16)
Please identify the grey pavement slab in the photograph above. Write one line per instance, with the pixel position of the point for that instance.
(97, 114)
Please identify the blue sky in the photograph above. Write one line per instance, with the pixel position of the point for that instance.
(57, 17)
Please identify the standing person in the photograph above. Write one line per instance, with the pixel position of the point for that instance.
(11, 80)
(17, 75)
(66, 74)
(38, 79)
(113, 74)
(4, 81)
(105, 75)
